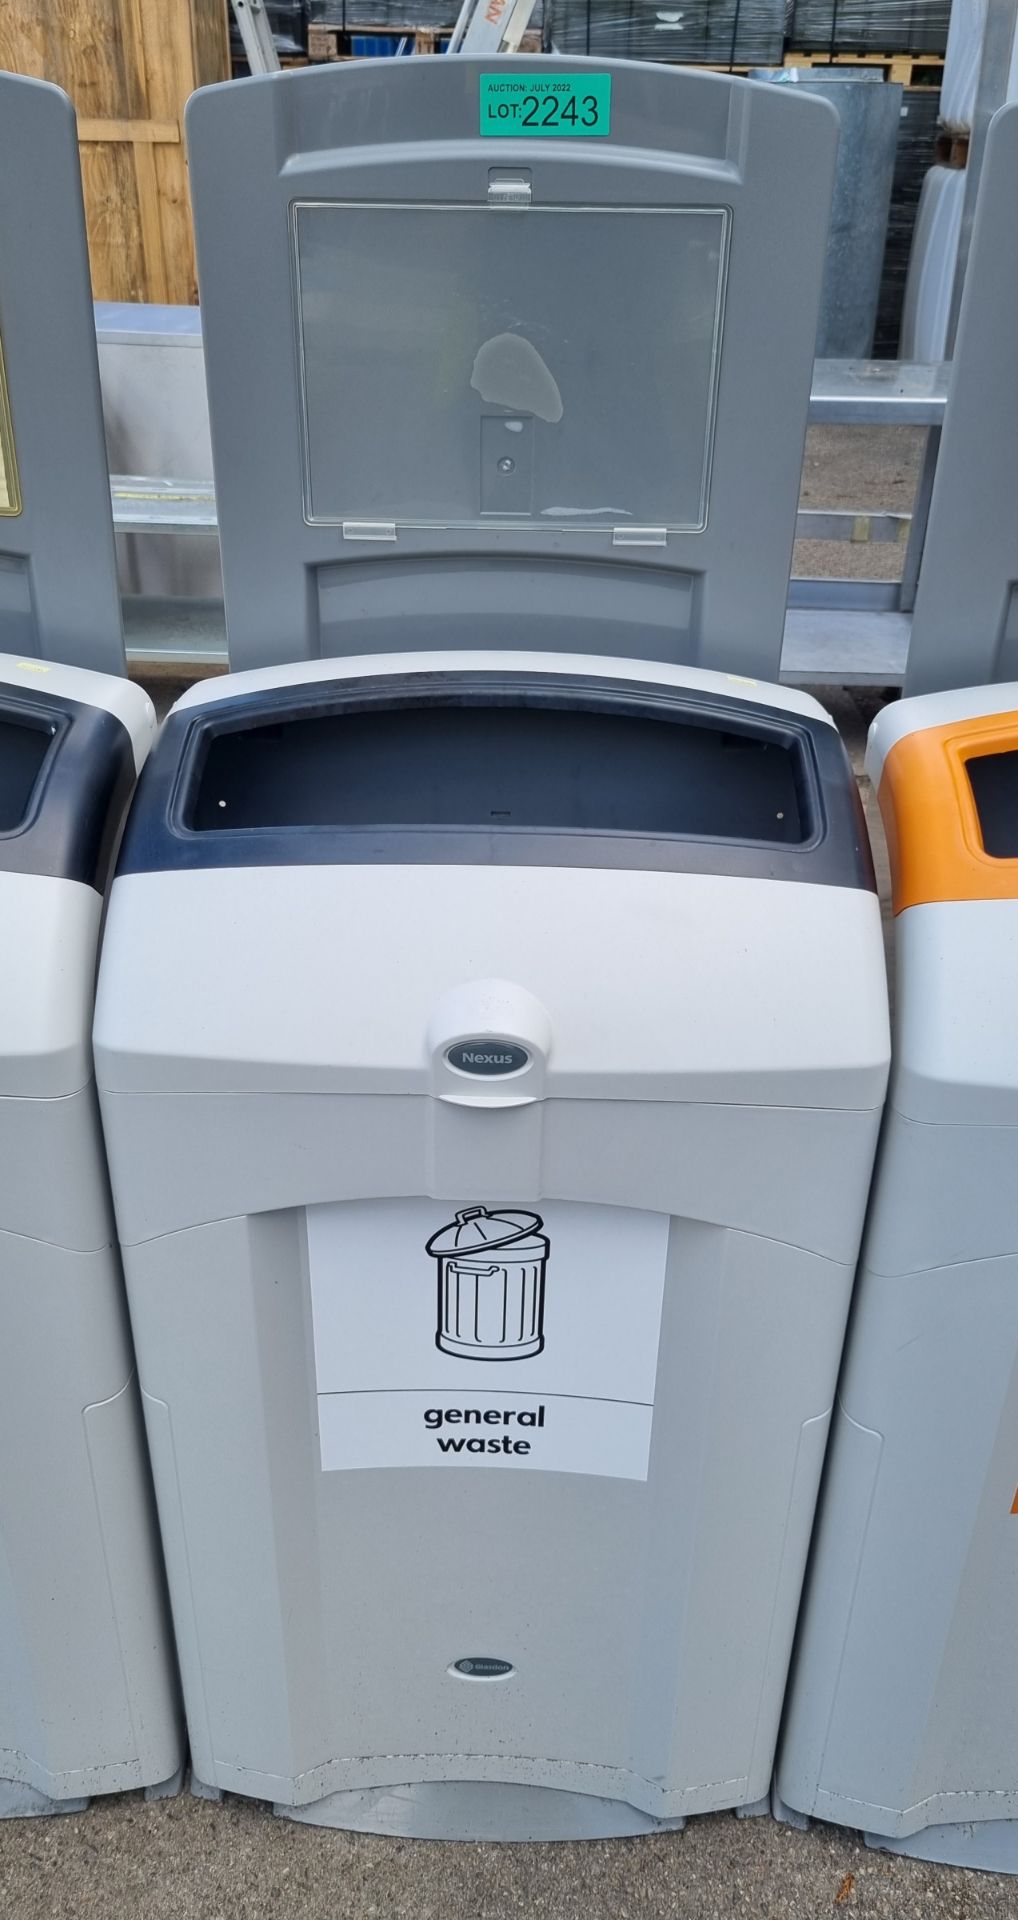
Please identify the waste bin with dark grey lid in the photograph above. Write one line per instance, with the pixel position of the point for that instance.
(88, 1692)
(557, 981)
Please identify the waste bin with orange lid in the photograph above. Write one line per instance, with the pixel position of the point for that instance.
(903, 1707)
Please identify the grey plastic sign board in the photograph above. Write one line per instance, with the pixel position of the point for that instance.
(547, 389)
(59, 598)
(965, 626)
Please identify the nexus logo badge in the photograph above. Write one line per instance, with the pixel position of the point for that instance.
(491, 1058)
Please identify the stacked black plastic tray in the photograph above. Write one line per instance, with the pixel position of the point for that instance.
(704, 32)
(917, 141)
(396, 15)
(709, 32)
(870, 26)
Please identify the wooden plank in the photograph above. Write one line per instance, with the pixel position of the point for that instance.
(114, 229)
(210, 35)
(952, 147)
(167, 47)
(157, 281)
(129, 67)
(135, 66)
(23, 39)
(905, 68)
(175, 212)
(323, 43)
(153, 131)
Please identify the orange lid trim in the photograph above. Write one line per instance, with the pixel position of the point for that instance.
(930, 816)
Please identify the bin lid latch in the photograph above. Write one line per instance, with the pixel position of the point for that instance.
(489, 1041)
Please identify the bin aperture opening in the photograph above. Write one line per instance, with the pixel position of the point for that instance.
(993, 778)
(24, 745)
(472, 762)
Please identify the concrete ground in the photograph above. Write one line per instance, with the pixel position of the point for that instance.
(871, 469)
(184, 1859)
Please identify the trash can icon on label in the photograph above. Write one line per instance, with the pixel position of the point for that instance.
(491, 1274)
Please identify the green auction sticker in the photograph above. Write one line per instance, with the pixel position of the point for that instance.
(546, 106)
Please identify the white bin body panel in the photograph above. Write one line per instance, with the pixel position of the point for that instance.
(87, 1685)
(902, 1709)
(88, 1700)
(284, 1148)
(47, 970)
(903, 1705)
(380, 948)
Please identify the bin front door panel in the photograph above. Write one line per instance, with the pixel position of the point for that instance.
(630, 1609)
(910, 1625)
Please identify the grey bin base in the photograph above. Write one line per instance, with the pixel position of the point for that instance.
(754, 1809)
(787, 1816)
(200, 1790)
(991, 1846)
(167, 1789)
(19, 1802)
(474, 1810)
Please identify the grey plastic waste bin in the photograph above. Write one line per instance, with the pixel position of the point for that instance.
(903, 1709)
(88, 1694)
(567, 973)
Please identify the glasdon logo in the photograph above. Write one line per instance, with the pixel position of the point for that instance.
(490, 1057)
(481, 1666)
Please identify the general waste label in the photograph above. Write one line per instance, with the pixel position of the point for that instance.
(546, 106)
(483, 1335)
